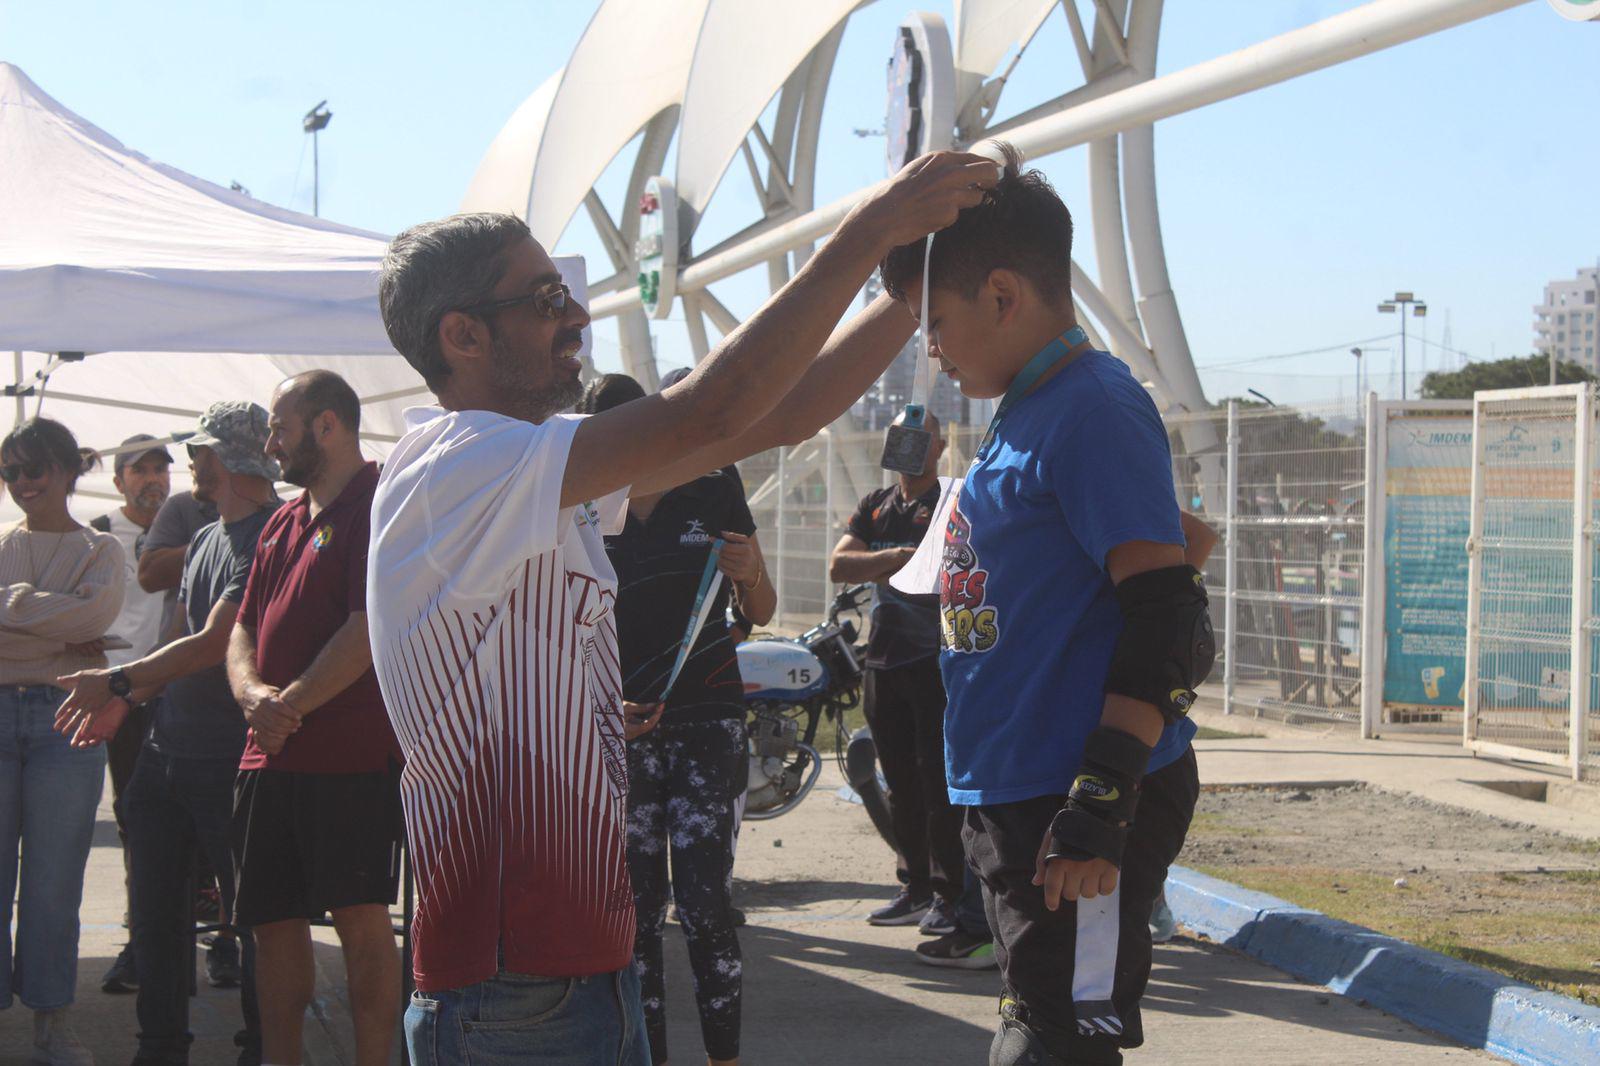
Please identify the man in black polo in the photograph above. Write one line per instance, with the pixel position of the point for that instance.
(904, 696)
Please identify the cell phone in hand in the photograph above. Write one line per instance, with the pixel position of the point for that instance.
(905, 446)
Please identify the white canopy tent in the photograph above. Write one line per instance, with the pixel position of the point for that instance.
(172, 286)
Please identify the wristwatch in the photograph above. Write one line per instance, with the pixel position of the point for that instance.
(119, 683)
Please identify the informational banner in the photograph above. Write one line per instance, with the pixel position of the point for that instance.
(1427, 518)
(1525, 659)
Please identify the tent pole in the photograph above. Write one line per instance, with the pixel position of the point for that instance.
(22, 405)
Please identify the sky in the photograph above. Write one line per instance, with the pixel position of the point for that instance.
(1462, 166)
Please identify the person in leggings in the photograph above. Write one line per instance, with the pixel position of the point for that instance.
(686, 775)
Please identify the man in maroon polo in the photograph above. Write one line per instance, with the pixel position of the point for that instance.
(317, 824)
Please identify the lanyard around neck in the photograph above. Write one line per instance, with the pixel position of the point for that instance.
(710, 581)
(1047, 357)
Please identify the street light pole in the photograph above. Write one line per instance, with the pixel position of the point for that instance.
(315, 121)
(1419, 308)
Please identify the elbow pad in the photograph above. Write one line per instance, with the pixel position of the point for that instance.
(1167, 645)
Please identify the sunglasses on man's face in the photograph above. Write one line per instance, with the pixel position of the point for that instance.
(11, 472)
(549, 301)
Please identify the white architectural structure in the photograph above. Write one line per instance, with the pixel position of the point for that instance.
(729, 79)
(1565, 323)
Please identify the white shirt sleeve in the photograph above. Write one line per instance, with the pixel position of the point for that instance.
(492, 494)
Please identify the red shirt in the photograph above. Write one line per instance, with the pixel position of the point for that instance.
(308, 576)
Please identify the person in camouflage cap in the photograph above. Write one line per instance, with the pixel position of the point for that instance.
(236, 431)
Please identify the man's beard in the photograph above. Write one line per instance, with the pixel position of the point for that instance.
(305, 463)
(513, 378)
(151, 498)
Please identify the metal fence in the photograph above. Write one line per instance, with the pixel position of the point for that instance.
(1294, 562)
(1285, 584)
(1530, 606)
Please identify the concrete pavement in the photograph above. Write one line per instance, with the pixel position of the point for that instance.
(824, 987)
(1435, 767)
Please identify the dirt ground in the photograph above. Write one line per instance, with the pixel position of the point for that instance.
(1507, 896)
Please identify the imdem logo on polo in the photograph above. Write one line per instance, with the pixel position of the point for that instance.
(695, 534)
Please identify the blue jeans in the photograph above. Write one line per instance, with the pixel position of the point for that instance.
(172, 807)
(511, 1019)
(48, 797)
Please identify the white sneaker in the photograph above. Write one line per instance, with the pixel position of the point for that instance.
(55, 1044)
(1162, 925)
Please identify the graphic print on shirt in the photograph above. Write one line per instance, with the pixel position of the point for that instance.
(592, 604)
(695, 534)
(966, 621)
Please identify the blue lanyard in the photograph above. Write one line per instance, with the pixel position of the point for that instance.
(1047, 357)
(709, 579)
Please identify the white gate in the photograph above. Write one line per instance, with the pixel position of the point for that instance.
(1530, 575)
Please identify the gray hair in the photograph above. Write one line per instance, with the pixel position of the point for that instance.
(437, 267)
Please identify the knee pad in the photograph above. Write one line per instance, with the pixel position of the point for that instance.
(1017, 1045)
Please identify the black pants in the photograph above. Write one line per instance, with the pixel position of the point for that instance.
(682, 783)
(172, 807)
(122, 754)
(1079, 971)
(905, 708)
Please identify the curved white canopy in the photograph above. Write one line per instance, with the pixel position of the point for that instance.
(103, 249)
(631, 64)
(986, 30)
(739, 63)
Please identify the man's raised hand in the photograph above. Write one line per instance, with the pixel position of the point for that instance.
(928, 194)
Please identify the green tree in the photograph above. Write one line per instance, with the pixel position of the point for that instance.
(1514, 373)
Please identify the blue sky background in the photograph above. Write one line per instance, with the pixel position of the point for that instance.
(1463, 166)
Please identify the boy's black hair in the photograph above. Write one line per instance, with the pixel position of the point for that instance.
(1021, 225)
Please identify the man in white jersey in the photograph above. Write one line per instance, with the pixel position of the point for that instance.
(490, 595)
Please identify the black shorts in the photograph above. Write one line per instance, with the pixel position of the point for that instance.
(306, 844)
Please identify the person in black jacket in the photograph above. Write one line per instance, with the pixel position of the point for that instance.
(686, 775)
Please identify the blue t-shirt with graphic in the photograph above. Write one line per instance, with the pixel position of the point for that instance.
(1029, 617)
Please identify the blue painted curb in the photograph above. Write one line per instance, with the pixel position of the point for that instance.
(1467, 1003)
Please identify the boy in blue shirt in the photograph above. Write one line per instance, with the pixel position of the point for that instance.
(1074, 632)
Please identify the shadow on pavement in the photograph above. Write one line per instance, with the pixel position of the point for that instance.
(1210, 984)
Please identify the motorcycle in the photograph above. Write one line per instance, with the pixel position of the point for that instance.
(790, 686)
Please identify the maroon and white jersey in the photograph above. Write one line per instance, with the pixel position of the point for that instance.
(490, 613)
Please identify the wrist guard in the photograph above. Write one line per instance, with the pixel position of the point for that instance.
(1100, 806)
(1167, 645)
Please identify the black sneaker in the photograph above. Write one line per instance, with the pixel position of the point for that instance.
(902, 910)
(960, 951)
(123, 975)
(940, 919)
(222, 963)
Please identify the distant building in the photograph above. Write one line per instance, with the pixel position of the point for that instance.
(1565, 322)
(890, 394)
